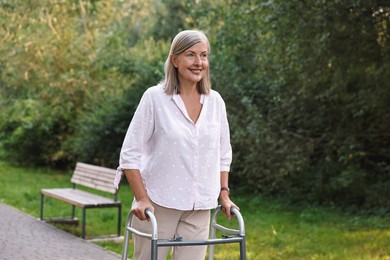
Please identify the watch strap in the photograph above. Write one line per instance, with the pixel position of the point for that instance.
(225, 189)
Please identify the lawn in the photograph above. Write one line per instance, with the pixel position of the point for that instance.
(274, 230)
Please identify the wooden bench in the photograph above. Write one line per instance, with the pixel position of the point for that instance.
(96, 177)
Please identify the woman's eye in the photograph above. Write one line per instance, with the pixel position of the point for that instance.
(191, 55)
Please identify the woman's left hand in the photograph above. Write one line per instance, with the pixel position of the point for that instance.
(226, 204)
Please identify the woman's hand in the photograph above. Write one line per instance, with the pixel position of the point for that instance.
(139, 209)
(226, 204)
(141, 196)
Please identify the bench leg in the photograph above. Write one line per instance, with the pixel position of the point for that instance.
(83, 224)
(41, 209)
(119, 220)
(73, 209)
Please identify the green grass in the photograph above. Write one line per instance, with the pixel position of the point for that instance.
(274, 230)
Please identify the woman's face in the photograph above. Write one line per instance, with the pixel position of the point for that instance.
(192, 64)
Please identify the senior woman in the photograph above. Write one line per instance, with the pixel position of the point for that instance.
(176, 154)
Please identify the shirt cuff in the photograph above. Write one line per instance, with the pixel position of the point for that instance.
(118, 177)
(224, 168)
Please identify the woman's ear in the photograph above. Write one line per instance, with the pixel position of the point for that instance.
(173, 60)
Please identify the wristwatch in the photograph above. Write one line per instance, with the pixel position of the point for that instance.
(226, 189)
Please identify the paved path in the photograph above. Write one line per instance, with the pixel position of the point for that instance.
(24, 237)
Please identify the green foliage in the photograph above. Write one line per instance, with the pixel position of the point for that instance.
(46, 56)
(26, 126)
(305, 83)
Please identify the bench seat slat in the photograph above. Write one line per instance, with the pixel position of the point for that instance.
(108, 181)
(96, 184)
(96, 172)
(94, 168)
(94, 176)
(79, 198)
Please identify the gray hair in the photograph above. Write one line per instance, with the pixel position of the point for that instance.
(180, 43)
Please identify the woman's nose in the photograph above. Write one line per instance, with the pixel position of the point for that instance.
(197, 60)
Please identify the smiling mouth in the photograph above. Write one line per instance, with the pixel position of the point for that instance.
(196, 70)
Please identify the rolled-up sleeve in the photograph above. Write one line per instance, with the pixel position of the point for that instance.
(138, 133)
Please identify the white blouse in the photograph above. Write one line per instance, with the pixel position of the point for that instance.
(180, 162)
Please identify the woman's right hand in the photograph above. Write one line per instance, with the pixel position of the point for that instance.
(139, 208)
(141, 196)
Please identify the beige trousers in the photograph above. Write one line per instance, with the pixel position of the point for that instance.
(193, 224)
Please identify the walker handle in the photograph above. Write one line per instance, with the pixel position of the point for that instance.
(233, 210)
(150, 216)
(148, 212)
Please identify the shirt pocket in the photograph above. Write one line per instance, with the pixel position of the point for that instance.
(213, 135)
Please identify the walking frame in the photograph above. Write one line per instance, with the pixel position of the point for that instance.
(235, 236)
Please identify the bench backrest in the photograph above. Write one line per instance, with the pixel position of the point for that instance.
(96, 177)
